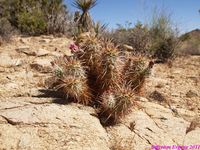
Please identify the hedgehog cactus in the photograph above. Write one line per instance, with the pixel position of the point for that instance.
(111, 67)
(135, 73)
(115, 104)
(75, 89)
(70, 80)
(90, 51)
(69, 66)
(95, 71)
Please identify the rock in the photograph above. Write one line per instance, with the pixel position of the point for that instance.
(186, 114)
(193, 125)
(191, 94)
(2, 69)
(50, 37)
(57, 54)
(142, 129)
(22, 48)
(128, 47)
(30, 52)
(167, 121)
(41, 65)
(7, 61)
(50, 126)
(11, 86)
(42, 52)
(192, 138)
(142, 99)
(121, 138)
(26, 50)
(155, 95)
(18, 62)
(24, 40)
(44, 40)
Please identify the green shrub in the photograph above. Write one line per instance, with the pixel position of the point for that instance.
(163, 36)
(35, 17)
(137, 37)
(32, 23)
(165, 49)
(5, 29)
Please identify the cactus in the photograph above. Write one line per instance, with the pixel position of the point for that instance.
(135, 72)
(94, 72)
(90, 51)
(111, 67)
(115, 104)
(70, 80)
(74, 88)
(70, 67)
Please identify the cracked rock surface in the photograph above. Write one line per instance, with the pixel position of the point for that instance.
(30, 120)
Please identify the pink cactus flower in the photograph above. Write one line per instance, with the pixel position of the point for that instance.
(74, 48)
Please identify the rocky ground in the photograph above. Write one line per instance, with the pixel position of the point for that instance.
(31, 119)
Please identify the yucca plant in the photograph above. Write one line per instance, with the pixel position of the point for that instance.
(85, 21)
(115, 104)
(135, 72)
(111, 66)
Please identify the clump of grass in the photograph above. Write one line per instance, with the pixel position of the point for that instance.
(164, 35)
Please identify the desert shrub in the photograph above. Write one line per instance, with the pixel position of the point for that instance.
(37, 17)
(165, 49)
(32, 23)
(137, 37)
(121, 34)
(163, 36)
(5, 29)
(57, 16)
(71, 27)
